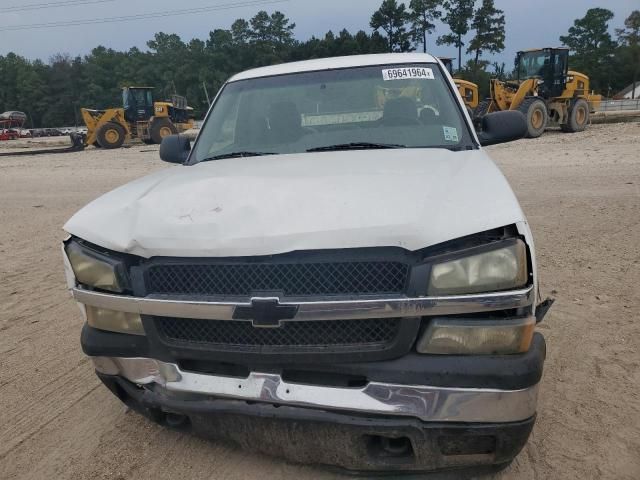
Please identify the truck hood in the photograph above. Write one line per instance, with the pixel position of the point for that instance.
(409, 198)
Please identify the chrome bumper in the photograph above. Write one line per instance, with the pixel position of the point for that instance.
(433, 404)
(321, 310)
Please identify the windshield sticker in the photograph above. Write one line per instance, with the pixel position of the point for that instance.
(407, 73)
(450, 134)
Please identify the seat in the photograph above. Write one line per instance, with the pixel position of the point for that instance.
(252, 132)
(285, 123)
(400, 111)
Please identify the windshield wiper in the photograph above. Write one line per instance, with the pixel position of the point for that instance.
(356, 146)
(237, 154)
(453, 148)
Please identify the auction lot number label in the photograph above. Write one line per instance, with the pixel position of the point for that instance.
(407, 73)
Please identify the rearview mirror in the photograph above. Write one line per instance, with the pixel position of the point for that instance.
(502, 127)
(175, 149)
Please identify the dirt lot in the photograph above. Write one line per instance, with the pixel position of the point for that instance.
(582, 196)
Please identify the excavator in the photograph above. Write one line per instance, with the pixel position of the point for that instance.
(139, 117)
(545, 91)
(468, 90)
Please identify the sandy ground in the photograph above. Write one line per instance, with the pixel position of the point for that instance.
(33, 143)
(581, 193)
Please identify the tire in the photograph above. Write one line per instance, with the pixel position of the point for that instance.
(578, 117)
(535, 111)
(160, 128)
(480, 111)
(110, 135)
(96, 144)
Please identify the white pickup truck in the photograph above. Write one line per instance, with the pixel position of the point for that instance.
(336, 273)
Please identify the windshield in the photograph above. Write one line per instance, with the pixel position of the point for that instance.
(133, 97)
(532, 64)
(392, 106)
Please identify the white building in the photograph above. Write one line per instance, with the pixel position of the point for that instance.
(629, 92)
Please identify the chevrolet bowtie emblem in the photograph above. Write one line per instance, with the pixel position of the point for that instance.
(265, 312)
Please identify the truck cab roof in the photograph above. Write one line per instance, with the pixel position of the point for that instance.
(334, 63)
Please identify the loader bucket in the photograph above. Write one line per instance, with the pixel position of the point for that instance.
(94, 119)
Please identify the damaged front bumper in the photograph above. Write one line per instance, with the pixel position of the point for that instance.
(454, 423)
(432, 404)
(356, 441)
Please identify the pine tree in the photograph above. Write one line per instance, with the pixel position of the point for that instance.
(489, 26)
(241, 31)
(592, 47)
(392, 18)
(458, 18)
(422, 15)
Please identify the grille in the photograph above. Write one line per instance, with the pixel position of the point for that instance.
(329, 333)
(292, 279)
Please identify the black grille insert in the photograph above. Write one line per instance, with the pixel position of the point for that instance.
(292, 334)
(292, 279)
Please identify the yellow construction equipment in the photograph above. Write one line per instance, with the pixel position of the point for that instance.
(545, 91)
(468, 90)
(139, 117)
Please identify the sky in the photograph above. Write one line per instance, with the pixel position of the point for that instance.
(529, 24)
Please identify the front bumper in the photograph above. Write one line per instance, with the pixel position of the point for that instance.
(380, 427)
(426, 403)
(351, 441)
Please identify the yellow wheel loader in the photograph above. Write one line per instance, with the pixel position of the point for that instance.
(139, 117)
(468, 90)
(545, 91)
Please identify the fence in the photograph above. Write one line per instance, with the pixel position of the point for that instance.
(619, 105)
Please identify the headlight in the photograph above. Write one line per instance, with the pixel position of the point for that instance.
(499, 269)
(113, 321)
(96, 269)
(477, 337)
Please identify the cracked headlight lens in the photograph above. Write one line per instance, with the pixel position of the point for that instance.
(499, 269)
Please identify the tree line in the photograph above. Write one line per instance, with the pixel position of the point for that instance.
(407, 28)
(52, 93)
(611, 63)
(477, 28)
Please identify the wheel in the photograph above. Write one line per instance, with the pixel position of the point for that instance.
(480, 111)
(535, 111)
(578, 117)
(110, 135)
(96, 144)
(160, 128)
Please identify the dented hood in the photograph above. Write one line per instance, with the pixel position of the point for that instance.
(410, 198)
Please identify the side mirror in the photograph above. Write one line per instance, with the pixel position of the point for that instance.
(175, 148)
(502, 127)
